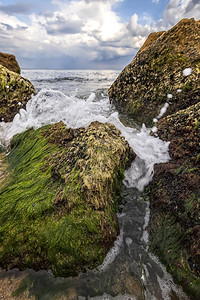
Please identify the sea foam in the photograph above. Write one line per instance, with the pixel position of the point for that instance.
(50, 106)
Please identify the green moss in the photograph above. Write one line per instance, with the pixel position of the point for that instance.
(58, 206)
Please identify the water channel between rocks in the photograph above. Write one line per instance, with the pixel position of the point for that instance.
(129, 271)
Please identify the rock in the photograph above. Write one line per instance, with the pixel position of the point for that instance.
(9, 61)
(151, 38)
(15, 91)
(8, 286)
(175, 200)
(58, 204)
(157, 71)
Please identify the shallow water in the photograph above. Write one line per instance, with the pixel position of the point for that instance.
(129, 271)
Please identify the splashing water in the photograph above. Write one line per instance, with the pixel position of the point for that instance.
(78, 108)
(50, 106)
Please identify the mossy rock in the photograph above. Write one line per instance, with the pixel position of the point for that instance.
(142, 87)
(15, 91)
(59, 200)
(175, 200)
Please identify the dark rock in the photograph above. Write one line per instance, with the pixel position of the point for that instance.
(175, 200)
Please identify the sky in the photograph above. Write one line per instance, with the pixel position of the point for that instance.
(85, 34)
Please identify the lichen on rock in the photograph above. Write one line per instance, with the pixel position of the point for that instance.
(59, 201)
(142, 87)
(15, 91)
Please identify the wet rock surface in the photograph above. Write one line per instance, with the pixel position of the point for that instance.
(175, 199)
(142, 87)
(59, 200)
(167, 69)
(15, 91)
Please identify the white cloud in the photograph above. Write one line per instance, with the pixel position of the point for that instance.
(177, 10)
(137, 29)
(86, 29)
(155, 1)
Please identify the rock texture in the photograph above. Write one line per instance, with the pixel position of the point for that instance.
(157, 70)
(175, 199)
(154, 77)
(9, 61)
(15, 91)
(151, 38)
(59, 200)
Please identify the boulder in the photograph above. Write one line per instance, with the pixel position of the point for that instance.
(175, 200)
(15, 91)
(156, 75)
(59, 199)
(9, 61)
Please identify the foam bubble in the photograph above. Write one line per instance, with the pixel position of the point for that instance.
(145, 235)
(164, 108)
(128, 241)
(187, 72)
(169, 96)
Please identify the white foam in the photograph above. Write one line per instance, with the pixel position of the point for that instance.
(169, 96)
(145, 235)
(187, 72)
(164, 108)
(50, 106)
(109, 297)
(128, 241)
(150, 150)
(166, 283)
(114, 251)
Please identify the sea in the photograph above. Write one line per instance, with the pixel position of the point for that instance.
(129, 271)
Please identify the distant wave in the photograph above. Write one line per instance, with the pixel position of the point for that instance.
(58, 79)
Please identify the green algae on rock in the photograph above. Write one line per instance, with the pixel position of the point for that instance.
(15, 91)
(175, 200)
(59, 202)
(142, 87)
(9, 61)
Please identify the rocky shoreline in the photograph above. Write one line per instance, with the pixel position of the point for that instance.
(72, 178)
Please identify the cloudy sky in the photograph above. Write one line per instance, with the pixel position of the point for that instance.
(85, 34)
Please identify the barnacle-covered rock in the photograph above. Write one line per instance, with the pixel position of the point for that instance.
(142, 87)
(15, 91)
(175, 199)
